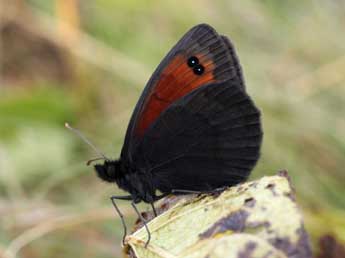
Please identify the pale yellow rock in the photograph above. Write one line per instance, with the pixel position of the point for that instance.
(258, 219)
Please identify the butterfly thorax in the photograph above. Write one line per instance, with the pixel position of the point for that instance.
(136, 182)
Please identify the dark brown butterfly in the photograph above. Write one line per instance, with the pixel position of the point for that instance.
(194, 128)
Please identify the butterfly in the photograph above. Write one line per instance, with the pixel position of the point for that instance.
(194, 128)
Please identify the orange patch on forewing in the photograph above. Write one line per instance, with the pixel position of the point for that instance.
(176, 81)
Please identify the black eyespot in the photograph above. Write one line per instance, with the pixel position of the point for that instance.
(193, 61)
(198, 70)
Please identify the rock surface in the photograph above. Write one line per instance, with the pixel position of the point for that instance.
(258, 219)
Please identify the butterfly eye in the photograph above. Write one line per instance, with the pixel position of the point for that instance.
(193, 61)
(198, 70)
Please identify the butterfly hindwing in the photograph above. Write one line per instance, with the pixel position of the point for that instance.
(175, 78)
(205, 140)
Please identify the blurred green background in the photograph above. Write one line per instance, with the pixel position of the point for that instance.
(87, 62)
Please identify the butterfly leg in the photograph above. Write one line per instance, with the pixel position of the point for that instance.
(183, 191)
(113, 198)
(144, 222)
(156, 198)
(153, 209)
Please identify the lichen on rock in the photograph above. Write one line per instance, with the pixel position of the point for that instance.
(258, 219)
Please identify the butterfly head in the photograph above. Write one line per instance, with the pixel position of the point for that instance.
(115, 171)
(110, 171)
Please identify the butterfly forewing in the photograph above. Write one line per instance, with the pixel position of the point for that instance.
(174, 78)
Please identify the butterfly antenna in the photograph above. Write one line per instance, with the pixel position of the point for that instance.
(81, 136)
